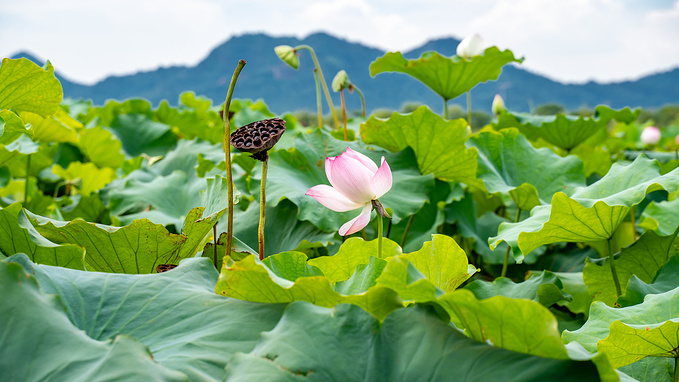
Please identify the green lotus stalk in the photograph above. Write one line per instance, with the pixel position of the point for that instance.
(614, 273)
(445, 109)
(407, 230)
(505, 265)
(28, 169)
(339, 83)
(353, 87)
(319, 104)
(344, 115)
(262, 208)
(469, 107)
(227, 156)
(380, 229)
(322, 81)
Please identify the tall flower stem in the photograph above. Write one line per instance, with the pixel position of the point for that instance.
(322, 80)
(344, 115)
(28, 169)
(360, 94)
(319, 103)
(227, 156)
(405, 232)
(614, 273)
(380, 230)
(445, 109)
(505, 265)
(469, 107)
(262, 207)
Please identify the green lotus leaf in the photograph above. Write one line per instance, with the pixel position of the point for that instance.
(448, 77)
(643, 258)
(353, 252)
(51, 129)
(175, 314)
(665, 280)
(520, 325)
(88, 208)
(27, 87)
(627, 344)
(661, 216)
(17, 235)
(574, 286)
(101, 147)
(564, 131)
(294, 171)
(313, 343)
(11, 127)
(510, 165)
(137, 248)
(192, 118)
(92, 178)
(438, 144)
(58, 350)
(139, 134)
(545, 288)
(592, 213)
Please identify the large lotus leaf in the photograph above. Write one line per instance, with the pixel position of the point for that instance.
(193, 118)
(508, 161)
(294, 171)
(176, 314)
(561, 130)
(352, 253)
(11, 127)
(92, 178)
(643, 258)
(139, 134)
(184, 157)
(449, 77)
(661, 216)
(50, 129)
(655, 310)
(282, 231)
(592, 213)
(442, 262)
(57, 350)
(89, 208)
(439, 145)
(24, 86)
(137, 248)
(665, 280)
(311, 343)
(250, 280)
(516, 324)
(17, 235)
(101, 147)
(574, 286)
(627, 344)
(172, 197)
(545, 288)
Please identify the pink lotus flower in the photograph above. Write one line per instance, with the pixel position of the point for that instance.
(650, 135)
(356, 182)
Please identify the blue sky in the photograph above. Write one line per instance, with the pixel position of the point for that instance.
(570, 41)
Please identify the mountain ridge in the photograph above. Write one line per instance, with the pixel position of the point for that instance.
(284, 89)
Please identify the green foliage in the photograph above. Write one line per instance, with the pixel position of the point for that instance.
(27, 87)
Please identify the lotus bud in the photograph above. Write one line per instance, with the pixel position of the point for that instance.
(288, 55)
(650, 135)
(341, 81)
(498, 105)
(471, 46)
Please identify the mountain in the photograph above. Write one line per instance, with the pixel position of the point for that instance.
(284, 89)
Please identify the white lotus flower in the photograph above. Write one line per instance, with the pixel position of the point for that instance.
(471, 46)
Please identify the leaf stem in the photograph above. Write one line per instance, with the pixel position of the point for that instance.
(505, 265)
(227, 156)
(380, 229)
(445, 109)
(469, 108)
(344, 115)
(405, 232)
(262, 207)
(676, 369)
(322, 80)
(360, 94)
(214, 241)
(611, 259)
(28, 169)
(319, 103)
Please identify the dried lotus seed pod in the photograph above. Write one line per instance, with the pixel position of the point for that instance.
(165, 267)
(258, 137)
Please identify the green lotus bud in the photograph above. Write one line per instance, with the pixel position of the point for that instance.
(498, 105)
(341, 81)
(288, 55)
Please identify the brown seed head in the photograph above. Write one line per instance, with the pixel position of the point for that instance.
(258, 137)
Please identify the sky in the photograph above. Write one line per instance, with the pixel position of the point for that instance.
(570, 41)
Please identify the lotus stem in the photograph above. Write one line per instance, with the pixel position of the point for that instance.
(388, 229)
(360, 94)
(505, 265)
(28, 169)
(322, 80)
(344, 115)
(214, 242)
(469, 107)
(445, 109)
(319, 103)
(405, 232)
(611, 259)
(262, 207)
(380, 230)
(227, 156)
(676, 369)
